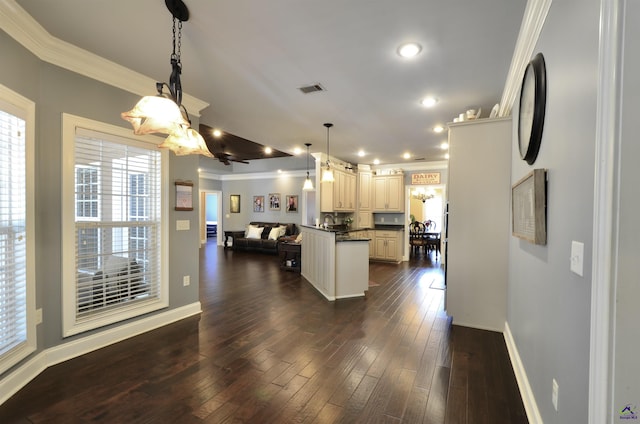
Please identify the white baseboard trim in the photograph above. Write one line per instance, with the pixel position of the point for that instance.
(529, 400)
(18, 378)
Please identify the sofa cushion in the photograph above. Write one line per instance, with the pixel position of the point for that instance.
(290, 229)
(255, 243)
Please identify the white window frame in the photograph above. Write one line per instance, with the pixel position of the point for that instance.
(25, 109)
(71, 325)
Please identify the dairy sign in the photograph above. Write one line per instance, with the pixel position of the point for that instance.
(425, 178)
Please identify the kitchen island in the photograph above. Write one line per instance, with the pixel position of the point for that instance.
(336, 264)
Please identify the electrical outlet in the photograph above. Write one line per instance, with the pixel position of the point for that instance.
(382, 219)
(186, 280)
(554, 394)
(38, 316)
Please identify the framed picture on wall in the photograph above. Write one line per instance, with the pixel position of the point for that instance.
(184, 196)
(234, 203)
(274, 201)
(529, 207)
(292, 203)
(258, 203)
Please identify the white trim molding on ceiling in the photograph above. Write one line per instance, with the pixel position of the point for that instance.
(21, 26)
(415, 167)
(253, 176)
(534, 16)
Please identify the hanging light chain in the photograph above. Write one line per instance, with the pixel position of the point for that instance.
(176, 53)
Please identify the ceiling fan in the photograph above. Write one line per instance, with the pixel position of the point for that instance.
(231, 148)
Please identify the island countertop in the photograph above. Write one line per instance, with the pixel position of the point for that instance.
(342, 229)
(336, 264)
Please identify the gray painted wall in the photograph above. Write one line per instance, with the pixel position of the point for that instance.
(285, 185)
(549, 306)
(56, 91)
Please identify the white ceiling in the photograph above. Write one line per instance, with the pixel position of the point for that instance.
(247, 58)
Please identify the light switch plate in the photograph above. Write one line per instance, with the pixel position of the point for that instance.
(183, 225)
(554, 394)
(577, 257)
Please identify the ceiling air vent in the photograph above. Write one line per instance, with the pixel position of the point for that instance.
(311, 88)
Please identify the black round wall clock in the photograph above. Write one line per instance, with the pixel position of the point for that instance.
(533, 98)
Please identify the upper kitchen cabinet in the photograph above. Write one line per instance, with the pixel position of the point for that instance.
(339, 195)
(388, 193)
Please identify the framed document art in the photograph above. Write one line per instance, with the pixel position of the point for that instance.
(234, 203)
(529, 207)
(184, 196)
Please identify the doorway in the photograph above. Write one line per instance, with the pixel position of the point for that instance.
(210, 219)
(425, 203)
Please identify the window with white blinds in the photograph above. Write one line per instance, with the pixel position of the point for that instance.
(117, 209)
(17, 326)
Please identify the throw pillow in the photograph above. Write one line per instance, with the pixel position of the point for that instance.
(283, 230)
(274, 234)
(265, 232)
(254, 232)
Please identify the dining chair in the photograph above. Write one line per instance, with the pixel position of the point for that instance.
(417, 236)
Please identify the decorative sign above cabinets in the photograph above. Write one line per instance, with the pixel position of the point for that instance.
(423, 178)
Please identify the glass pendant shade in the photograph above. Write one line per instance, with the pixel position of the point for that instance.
(308, 185)
(155, 114)
(327, 175)
(186, 141)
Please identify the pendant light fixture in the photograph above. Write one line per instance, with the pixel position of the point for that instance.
(327, 174)
(165, 114)
(308, 184)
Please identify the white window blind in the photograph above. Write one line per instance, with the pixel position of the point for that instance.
(17, 330)
(117, 204)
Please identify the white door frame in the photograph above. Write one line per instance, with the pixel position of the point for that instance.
(203, 221)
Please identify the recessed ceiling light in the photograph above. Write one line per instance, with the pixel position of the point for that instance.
(444, 145)
(409, 49)
(429, 101)
(438, 128)
(376, 161)
(407, 156)
(297, 151)
(217, 133)
(268, 150)
(361, 153)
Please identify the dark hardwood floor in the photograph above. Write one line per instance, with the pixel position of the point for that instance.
(269, 349)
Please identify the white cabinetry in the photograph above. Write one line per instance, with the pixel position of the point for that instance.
(479, 192)
(364, 190)
(364, 214)
(387, 245)
(340, 195)
(388, 193)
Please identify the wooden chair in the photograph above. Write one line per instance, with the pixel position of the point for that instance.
(417, 234)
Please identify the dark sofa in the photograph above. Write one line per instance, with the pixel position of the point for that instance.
(263, 244)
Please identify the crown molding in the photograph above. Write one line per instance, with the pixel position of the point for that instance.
(255, 175)
(21, 26)
(534, 16)
(417, 166)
